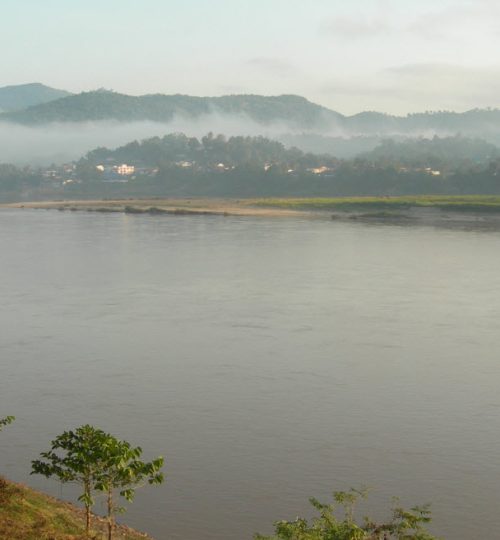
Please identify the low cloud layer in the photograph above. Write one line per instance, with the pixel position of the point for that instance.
(63, 142)
(57, 143)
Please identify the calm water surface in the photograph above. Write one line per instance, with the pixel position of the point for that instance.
(268, 359)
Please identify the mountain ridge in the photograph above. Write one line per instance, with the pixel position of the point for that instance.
(288, 111)
(106, 105)
(21, 96)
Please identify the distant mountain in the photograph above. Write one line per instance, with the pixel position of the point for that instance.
(287, 115)
(21, 96)
(104, 105)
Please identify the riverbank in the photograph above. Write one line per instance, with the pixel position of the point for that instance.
(468, 210)
(26, 514)
(222, 207)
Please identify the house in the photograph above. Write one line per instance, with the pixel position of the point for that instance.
(124, 169)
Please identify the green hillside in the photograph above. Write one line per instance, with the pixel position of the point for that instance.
(105, 105)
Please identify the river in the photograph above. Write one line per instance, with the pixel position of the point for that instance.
(269, 360)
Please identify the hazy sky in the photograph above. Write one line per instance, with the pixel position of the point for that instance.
(350, 55)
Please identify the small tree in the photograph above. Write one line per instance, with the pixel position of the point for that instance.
(403, 525)
(123, 471)
(98, 462)
(75, 456)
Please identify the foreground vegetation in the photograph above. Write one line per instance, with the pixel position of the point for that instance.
(26, 514)
(402, 525)
(100, 463)
(96, 461)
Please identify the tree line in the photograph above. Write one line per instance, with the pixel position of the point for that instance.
(257, 166)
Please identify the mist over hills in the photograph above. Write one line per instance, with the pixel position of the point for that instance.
(101, 105)
(43, 105)
(18, 97)
(62, 126)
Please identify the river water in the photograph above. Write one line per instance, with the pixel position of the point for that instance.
(268, 360)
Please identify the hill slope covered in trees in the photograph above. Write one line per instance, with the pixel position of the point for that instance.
(104, 105)
(291, 112)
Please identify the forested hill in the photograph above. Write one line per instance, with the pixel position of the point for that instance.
(447, 154)
(210, 150)
(104, 105)
(476, 122)
(21, 96)
(287, 112)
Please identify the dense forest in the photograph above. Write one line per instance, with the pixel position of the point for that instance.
(210, 150)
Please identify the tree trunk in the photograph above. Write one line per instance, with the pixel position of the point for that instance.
(87, 519)
(87, 507)
(110, 515)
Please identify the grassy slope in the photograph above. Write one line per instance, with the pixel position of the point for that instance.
(26, 514)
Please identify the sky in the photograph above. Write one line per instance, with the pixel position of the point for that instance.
(394, 56)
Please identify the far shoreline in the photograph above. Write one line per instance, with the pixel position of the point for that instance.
(172, 206)
(469, 211)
